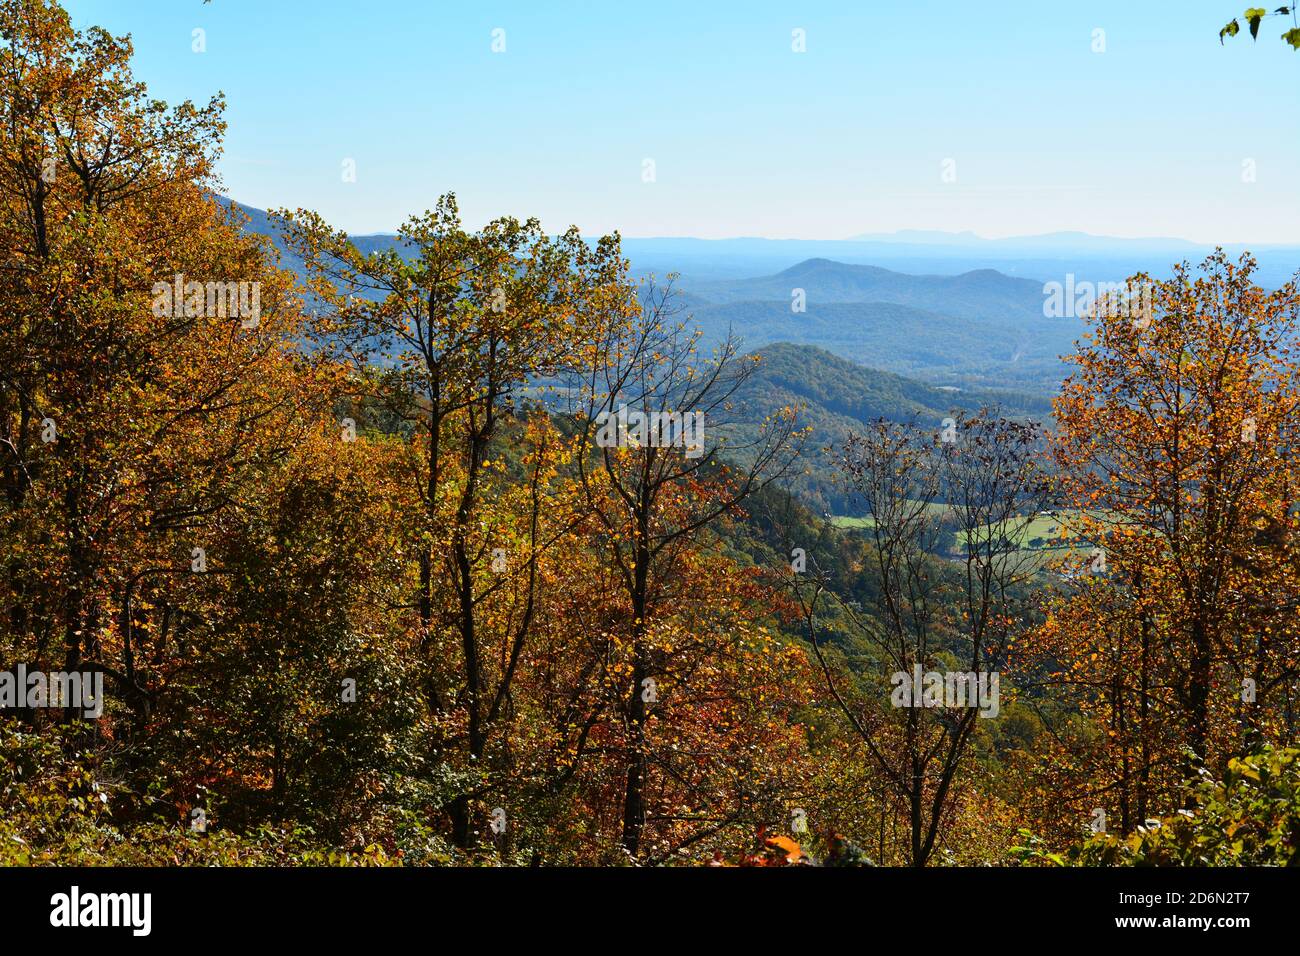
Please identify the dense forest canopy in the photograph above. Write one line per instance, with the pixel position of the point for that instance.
(479, 550)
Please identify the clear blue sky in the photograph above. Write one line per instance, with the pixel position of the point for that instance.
(748, 137)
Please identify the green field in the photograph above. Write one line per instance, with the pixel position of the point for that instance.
(1048, 529)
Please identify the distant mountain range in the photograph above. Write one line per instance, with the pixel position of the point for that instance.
(968, 330)
(983, 294)
(972, 330)
(912, 309)
(1080, 242)
(1042, 258)
(870, 343)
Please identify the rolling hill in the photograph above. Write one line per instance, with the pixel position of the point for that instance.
(836, 396)
(972, 330)
(932, 346)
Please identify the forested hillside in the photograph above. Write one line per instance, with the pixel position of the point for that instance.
(836, 397)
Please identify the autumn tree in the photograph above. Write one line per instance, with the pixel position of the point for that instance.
(149, 346)
(661, 461)
(987, 475)
(1176, 443)
(448, 333)
(158, 417)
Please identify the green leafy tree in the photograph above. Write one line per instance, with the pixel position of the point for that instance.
(1248, 816)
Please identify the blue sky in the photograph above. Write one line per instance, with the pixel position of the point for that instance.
(748, 137)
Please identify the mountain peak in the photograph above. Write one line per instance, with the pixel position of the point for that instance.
(820, 264)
